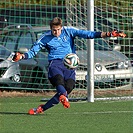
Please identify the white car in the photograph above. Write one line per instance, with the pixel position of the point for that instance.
(112, 69)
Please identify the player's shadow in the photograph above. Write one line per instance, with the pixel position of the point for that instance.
(13, 113)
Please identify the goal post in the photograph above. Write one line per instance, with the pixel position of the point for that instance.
(90, 52)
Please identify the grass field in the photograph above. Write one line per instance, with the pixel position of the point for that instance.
(81, 117)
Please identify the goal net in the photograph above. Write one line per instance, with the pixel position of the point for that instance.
(110, 79)
(113, 57)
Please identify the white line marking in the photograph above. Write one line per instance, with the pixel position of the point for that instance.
(88, 113)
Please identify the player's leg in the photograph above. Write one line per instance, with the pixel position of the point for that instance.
(60, 96)
(69, 76)
(52, 102)
(55, 75)
(58, 82)
(69, 85)
(41, 108)
(69, 79)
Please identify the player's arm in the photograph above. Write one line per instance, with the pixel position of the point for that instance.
(30, 54)
(94, 34)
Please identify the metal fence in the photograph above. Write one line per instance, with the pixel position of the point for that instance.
(31, 19)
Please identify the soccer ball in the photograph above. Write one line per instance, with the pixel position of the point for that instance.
(71, 61)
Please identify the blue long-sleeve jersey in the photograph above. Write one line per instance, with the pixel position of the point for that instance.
(58, 47)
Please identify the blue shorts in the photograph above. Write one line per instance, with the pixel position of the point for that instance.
(57, 67)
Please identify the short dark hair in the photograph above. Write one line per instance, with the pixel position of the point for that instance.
(56, 21)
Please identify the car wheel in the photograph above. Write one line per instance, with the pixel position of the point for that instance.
(16, 78)
(39, 80)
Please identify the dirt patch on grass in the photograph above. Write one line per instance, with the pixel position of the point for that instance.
(23, 93)
(74, 93)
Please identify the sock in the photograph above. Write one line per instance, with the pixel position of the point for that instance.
(53, 101)
(61, 90)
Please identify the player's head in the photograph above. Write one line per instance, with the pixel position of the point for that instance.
(56, 26)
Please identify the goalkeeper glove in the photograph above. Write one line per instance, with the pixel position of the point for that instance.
(18, 56)
(115, 33)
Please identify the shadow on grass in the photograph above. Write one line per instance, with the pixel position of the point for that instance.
(13, 113)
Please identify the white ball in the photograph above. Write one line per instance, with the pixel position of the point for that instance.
(71, 61)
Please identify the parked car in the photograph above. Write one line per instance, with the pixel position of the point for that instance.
(112, 68)
(33, 72)
(9, 71)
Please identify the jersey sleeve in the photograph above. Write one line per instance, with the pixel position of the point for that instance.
(37, 46)
(84, 33)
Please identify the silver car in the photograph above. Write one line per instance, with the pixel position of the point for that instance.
(112, 69)
(31, 73)
(9, 70)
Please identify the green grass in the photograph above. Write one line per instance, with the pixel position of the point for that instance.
(81, 117)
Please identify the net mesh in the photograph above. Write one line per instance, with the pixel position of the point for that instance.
(117, 14)
(108, 16)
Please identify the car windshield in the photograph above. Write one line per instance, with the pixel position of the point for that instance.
(4, 51)
(99, 44)
(40, 33)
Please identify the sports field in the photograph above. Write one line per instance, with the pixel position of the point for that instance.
(81, 117)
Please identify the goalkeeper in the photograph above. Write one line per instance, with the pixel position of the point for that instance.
(59, 41)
